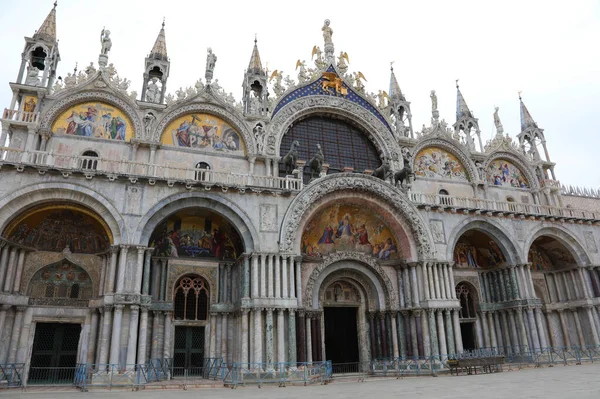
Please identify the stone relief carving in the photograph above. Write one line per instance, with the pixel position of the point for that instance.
(268, 217)
(519, 233)
(356, 183)
(133, 199)
(365, 259)
(437, 229)
(590, 241)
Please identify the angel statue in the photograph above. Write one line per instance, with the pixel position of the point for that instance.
(302, 75)
(381, 97)
(343, 61)
(358, 84)
(319, 63)
(105, 41)
(277, 86)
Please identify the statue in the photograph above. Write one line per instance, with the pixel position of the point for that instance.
(383, 171)
(319, 63)
(199, 86)
(277, 86)
(403, 174)
(32, 76)
(289, 160)
(343, 62)
(381, 97)
(152, 92)
(302, 76)
(90, 70)
(316, 163)
(327, 32)
(149, 120)
(434, 104)
(105, 41)
(211, 60)
(358, 84)
(70, 80)
(180, 94)
(111, 71)
(259, 137)
(499, 128)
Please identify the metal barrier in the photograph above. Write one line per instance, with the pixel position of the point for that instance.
(277, 373)
(11, 375)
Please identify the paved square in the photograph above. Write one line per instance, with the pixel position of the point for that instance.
(579, 382)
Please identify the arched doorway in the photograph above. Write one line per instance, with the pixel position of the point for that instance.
(467, 296)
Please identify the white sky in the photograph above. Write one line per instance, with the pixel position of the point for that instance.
(547, 49)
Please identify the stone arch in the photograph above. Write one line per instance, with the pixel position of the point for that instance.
(469, 302)
(28, 197)
(418, 236)
(216, 203)
(490, 228)
(32, 290)
(68, 99)
(224, 112)
(453, 148)
(564, 237)
(352, 278)
(516, 159)
(375, 129)
(372, 275)
(198, 287)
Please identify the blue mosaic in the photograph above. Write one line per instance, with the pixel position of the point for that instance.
(314, 89)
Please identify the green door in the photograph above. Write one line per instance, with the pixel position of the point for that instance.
(189, 350)
(54, 354)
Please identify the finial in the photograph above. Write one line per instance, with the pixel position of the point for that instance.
(457, 83)
(520, 91)
(255, 38)
(163, 24)
(392, 66)
(55, 4)
(75, 70)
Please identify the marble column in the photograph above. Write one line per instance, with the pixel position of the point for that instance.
(19, 271)
(427, 292)
(284, 278)
(401, 326)
(219, 336)
(163, 279)
(4, 263)
(552, 341)
(122, 266)
(593, 330)
(146, 273)
(115, 340)
(400, 287)
(292, 349)
(224, 332)
(298, 276)
(575, 284)
(277, 276)
(447, 281)
(133, 333)
(414, 285)
(563, 325)
(255, 278)
(15, 334)
(22, 349)
(540, 328)
(3, 310)
(269, 337)
(270, 270)
(522, 330)
(314, 338)
(245, 337)
(433, 338)
(452, 282)
(106, 329)
(168, 334)
(143, 338)
(383, 337)
(258, 336)
(449, 331)
(487, 340)
(578, 326)
(263, 276)
(507, 339)
(414, 339)
(301, 337)
(407, 287)
(11, 268)
(280, 336)
(535, 337)
(291, 276)
(436, 280)
(214, 320)
(395, 351)
(139, 271)
(309, 348)
(530, 280)
(156, 316)
(457, 332)
(441, 333)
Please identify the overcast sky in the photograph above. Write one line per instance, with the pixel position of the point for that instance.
(547, 49)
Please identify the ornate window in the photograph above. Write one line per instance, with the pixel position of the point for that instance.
(61, 283)
(89, 160)
(191, 298)
(467, 301)
(201, 175)
(343, 144)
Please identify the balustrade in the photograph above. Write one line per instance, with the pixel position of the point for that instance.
(20, 116)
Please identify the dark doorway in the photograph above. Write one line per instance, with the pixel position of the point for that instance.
(54, 354)
(467, 330)
(189, 350)
(341, 336)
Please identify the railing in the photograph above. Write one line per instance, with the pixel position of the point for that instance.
(113, 168)
(277, 373)
(20, 116)
(11, 375)
(494, 206)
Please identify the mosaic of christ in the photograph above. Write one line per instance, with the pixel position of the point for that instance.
(348, 227)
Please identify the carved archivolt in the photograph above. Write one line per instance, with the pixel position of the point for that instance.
(357, 183)
(230, 117)
(455, 149)
(379, 133)
(69, 100)
(366, 260)
(519, 162)
(353, 278)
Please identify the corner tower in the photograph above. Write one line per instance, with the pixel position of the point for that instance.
(256, 95)
(466, 123)
(156, 71)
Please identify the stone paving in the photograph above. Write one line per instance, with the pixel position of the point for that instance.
(579, 382)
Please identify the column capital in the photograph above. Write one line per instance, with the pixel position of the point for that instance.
(21, 309)
(119, 307)
(404, 312)
(292, 312)
(114, 249)
(245, 311)
(6, 307)
(149, 250)
(134, 308)
(141, 249)
(301, 312)
(269, 310)
(417, 312)
(124, 247)
(108, 308)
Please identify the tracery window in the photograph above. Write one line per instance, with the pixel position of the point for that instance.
(467, 301)
(343, 144)
(191, 298)
(61, 281)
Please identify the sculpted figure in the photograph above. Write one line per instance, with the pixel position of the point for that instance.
(211, 60)
(497, 122)
(152, 92)
(327, 32)
(32, 76)
(259, 136)
(434, 103)
(105, 41)
(90, 69)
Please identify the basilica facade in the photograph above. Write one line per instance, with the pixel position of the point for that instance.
(308, 222)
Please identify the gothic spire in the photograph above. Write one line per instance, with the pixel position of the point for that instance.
(526, 119)
(159, 50)
(395, 92)
(255, 65)
(48, 29)
(462, 109)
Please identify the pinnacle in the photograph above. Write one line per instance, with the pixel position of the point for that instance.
(159, 50)
(47, 30)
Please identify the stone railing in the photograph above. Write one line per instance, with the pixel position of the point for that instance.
(113, 169)
(20, 116)
(550, 183)
(495, 207)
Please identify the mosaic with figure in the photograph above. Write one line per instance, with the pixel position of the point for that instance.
(501, 172)
(196, 233)
(348, 227)
(476, 250)
(203, 131)
(54, 229)
(94, 119)
(539, 259)
(63, 279)
(437, 163)
(547, 253)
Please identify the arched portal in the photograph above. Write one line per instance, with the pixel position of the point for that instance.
(467, 297)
